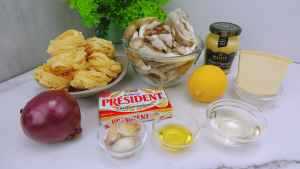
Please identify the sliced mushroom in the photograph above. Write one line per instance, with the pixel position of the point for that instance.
(170, 76)
(178, 19)
(164, 78)
(167, 28)
(135, 34)
(134, 25)
(158, 43)
(151, 47)
(159, 28)
(182, 13)
(154, 24)
(150, 33)
(162, 32)
(159, 75)
(192, 49)
(130, 54)
(155, 64)
(136, 43)
(129, 31)
(176, 44)
(144, 67)
(141, 71)
(148, 51)
(167, 38)
(181, 50)
(169, 50)
(156, 79)
(140, 63)
(148, 78)
(173, 31)
(189, 30)
(142, 30)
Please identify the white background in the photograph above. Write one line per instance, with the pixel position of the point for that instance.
(271, 26)
(26, 27)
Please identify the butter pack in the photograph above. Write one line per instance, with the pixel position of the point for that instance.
(143, 104)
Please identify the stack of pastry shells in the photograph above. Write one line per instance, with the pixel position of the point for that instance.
(69, 65)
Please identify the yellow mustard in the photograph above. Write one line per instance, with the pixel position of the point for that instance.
(222, 44)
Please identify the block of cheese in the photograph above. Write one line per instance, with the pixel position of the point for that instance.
(261, 73)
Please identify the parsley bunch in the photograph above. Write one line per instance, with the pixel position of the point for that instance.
(120, 12)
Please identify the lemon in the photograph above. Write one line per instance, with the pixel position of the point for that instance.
(207, 83)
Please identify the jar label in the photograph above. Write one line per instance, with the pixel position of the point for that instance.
(223, 39)
(222, 42)
(222, 60)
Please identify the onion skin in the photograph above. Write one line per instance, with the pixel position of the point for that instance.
(51, 116)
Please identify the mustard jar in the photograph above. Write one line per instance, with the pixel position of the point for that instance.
(222, 44)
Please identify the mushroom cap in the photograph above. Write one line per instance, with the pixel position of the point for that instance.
(134, 25)
(154, 24)
(184, 33)
(158, 43)
(129, 31)
(148, 51)
(167, 38)
(182, 13)
(167, 28)
(136, 43)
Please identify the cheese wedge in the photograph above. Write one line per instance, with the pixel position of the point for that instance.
(261, 73)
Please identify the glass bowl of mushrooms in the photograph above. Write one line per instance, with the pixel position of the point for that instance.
(162, 54)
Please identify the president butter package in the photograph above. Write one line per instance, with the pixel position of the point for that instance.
(143, 104)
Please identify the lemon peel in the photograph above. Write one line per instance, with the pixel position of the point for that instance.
(207, 83)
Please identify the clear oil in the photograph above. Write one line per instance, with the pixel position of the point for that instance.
(175, 135)
(236, 122)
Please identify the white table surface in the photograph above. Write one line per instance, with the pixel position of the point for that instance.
(278, 148)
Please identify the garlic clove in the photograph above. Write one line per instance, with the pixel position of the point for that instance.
(124, 144)
(129, 129)
(113, 135)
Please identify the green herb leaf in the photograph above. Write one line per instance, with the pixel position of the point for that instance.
(98, 15)
(120, 12)
(72, 4)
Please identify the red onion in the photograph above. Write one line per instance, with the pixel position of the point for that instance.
(51, 116)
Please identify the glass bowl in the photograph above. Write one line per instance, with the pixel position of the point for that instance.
(236, 122)
(163, 71)
(252, 98)
(140, 137)
(173, 137)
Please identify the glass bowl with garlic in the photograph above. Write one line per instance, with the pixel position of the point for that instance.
(122, 136)
(162, 53)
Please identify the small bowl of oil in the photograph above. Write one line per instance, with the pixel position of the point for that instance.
(176, 130)
(236, 122)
